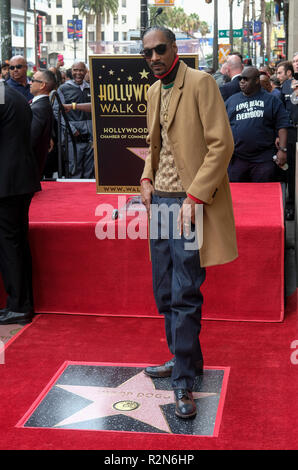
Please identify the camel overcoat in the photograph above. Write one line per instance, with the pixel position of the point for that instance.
(202, 145)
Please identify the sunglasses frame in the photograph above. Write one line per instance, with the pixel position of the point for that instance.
(18, 67)
(148, 52)
(35, 80)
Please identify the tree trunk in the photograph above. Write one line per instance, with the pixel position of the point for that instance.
(98, 28)
(254, 43)
(215, 36)
(231, 38)
(248, 28)
(25, 29)
(268, 39)
(6, 49)
(263, 10)
(243, 26)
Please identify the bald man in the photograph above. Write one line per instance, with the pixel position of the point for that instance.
(75, 91)
(18, 76)
(234, 69)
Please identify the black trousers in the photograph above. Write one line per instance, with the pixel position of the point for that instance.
(244, 171)
(15, 254)
(291, 158)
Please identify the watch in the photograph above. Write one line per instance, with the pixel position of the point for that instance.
(283, 149)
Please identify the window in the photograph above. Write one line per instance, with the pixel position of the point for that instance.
(48, 37)
(58, 3)
(18, 51)
(48, 20)
(91, 36)
(123, 19)
(59, 37)
(116, 36)
(116, 19)
(18, 29)
(59, 19)
(123, 3)
(124, 36)
(102, 35)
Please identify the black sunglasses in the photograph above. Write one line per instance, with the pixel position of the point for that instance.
(35, 80)
(19, 66)
(244, 78)
(160, 49)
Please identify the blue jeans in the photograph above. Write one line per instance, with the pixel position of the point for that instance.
(177, 278)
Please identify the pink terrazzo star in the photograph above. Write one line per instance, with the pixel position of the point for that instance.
(137, 398)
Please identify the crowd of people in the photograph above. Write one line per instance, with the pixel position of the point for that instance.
(38, 87)
(262, 107)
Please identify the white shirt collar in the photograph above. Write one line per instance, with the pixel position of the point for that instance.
(238, 75)
(38, 97)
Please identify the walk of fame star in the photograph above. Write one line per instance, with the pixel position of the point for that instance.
(137, 398)
(122, 398)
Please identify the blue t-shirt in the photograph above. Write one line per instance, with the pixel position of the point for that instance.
(25, 90)
(255, 121)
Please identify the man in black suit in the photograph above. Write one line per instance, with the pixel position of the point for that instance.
(18, 182)
(234, 69)
(42, 83)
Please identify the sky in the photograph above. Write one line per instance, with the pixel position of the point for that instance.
(205, 11)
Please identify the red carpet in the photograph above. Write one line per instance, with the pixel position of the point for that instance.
(260, 409)
(75, 272)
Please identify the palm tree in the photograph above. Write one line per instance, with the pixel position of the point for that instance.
(268, 20)
(204, 28)
(191, 24)
(102, 10)
(176, 18)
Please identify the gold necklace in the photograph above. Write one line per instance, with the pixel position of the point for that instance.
(165, 102)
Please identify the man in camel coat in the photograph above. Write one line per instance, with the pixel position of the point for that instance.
(190, 146)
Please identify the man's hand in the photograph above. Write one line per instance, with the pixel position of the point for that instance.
(281, 158)
(186, 216)
(146, 194)
(51, 145)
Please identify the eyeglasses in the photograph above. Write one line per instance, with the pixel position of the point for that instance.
(35, 80)
(19, 66)
(160, 49)
(244, 78)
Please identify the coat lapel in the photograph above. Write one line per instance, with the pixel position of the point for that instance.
(177, 92)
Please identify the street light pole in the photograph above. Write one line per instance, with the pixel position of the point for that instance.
(35, 34)
(215, 36)
(144, 17)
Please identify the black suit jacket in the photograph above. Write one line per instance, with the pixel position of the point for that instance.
(41, 130)
(230, 88)
(18, 168)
